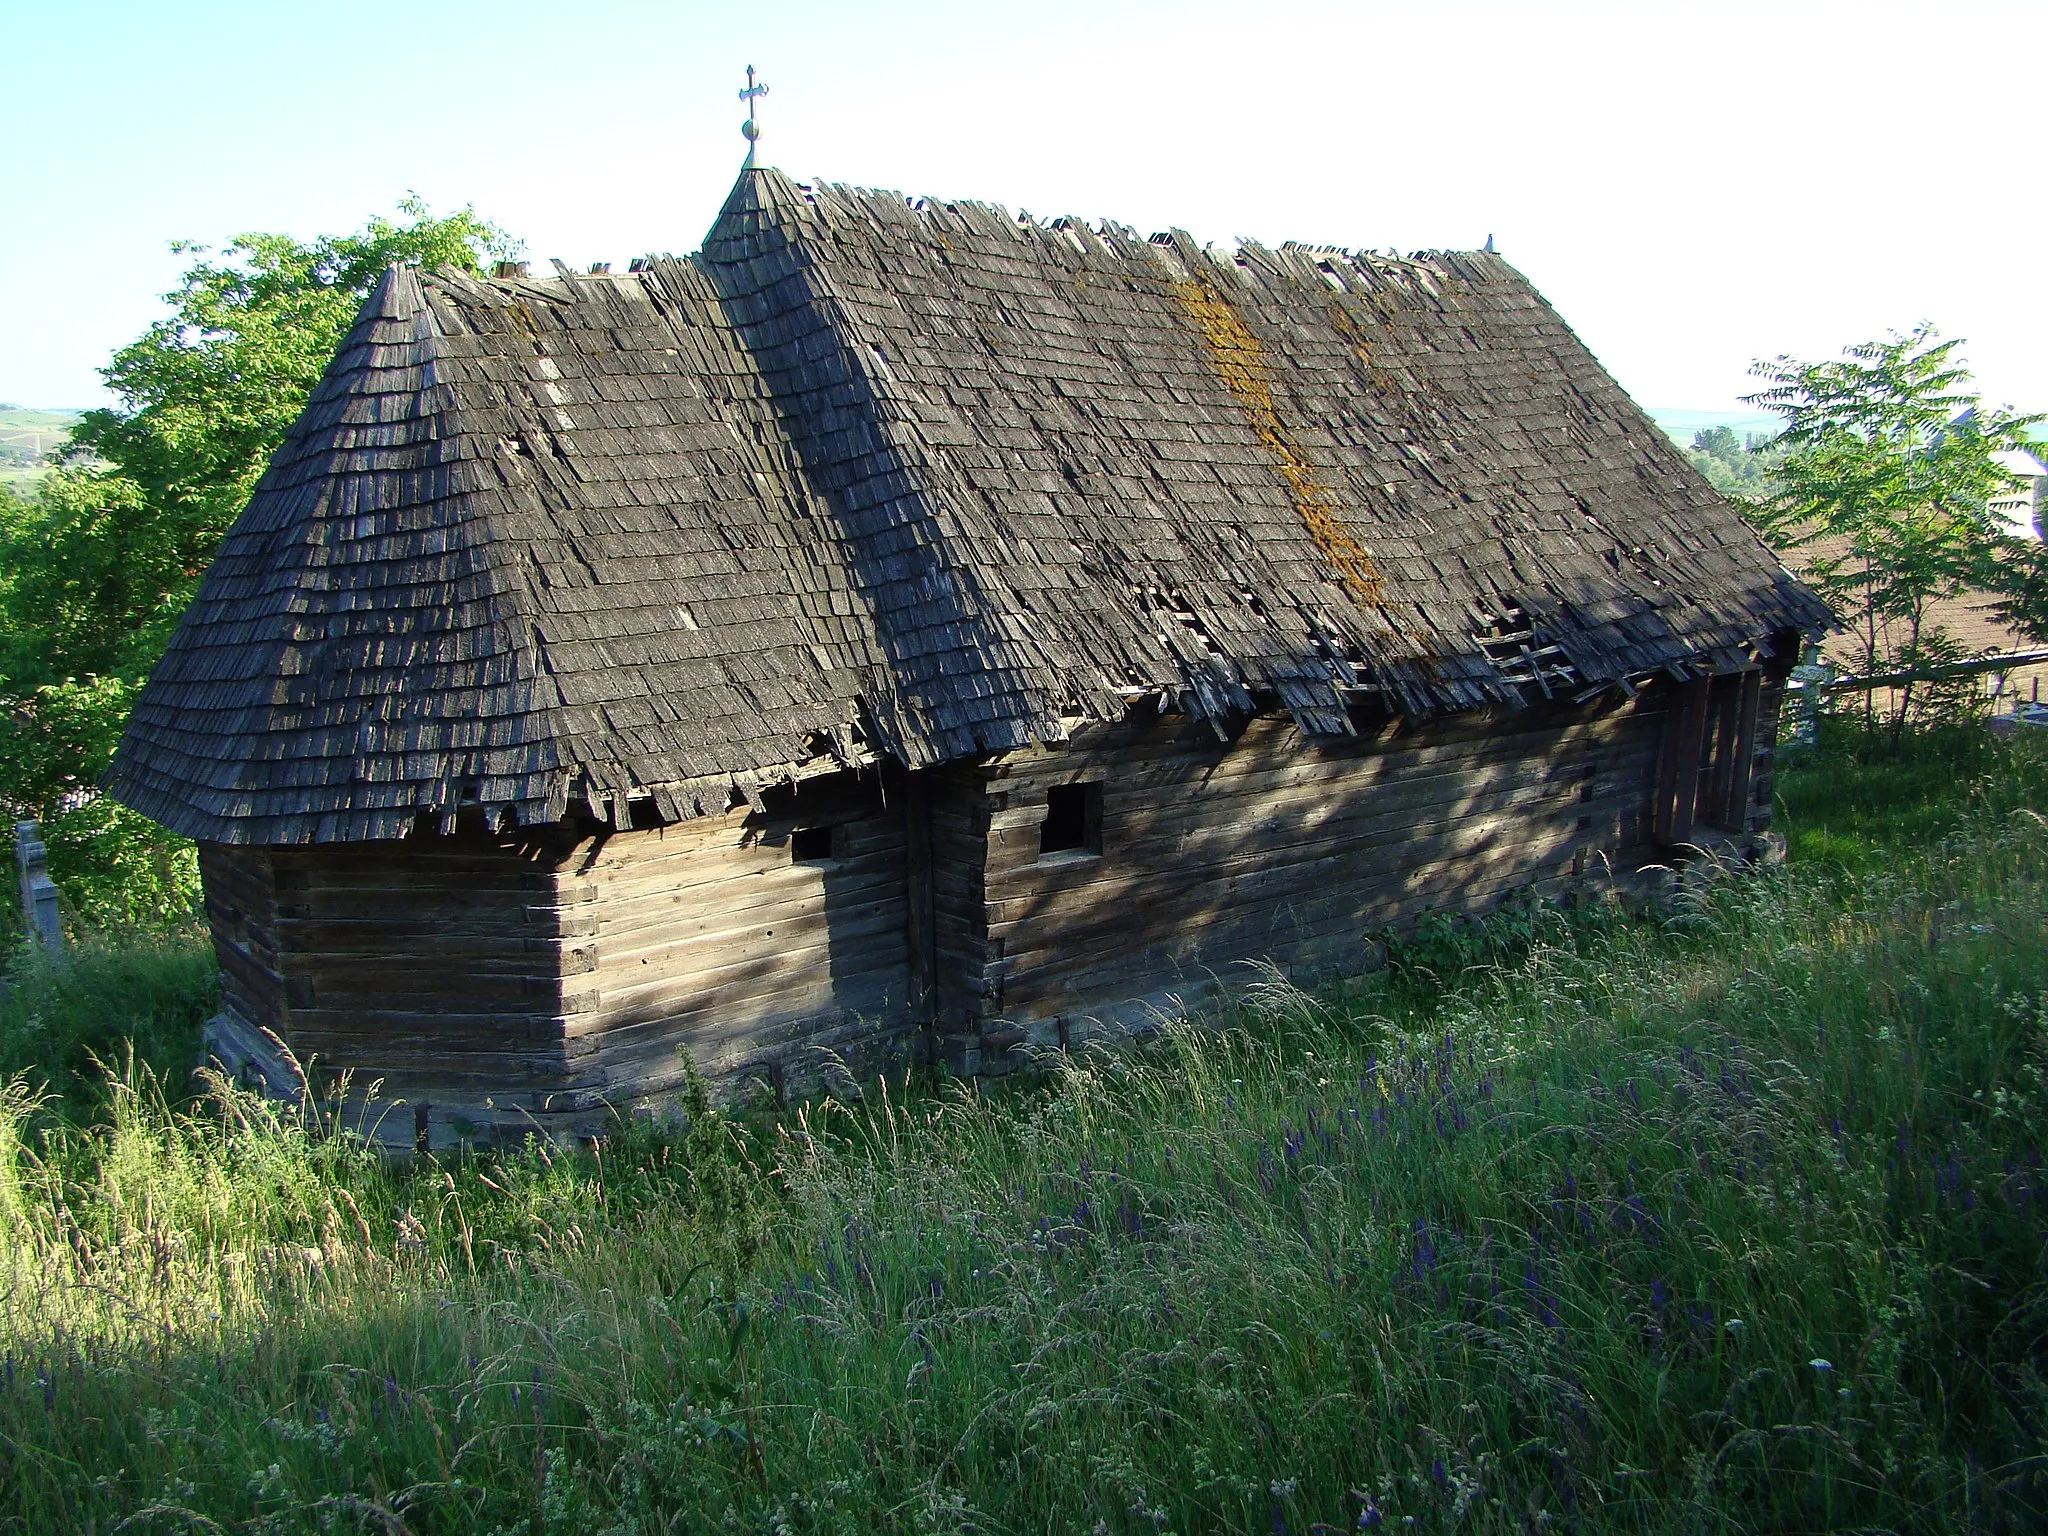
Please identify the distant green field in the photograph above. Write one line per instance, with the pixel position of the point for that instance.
(28, 438)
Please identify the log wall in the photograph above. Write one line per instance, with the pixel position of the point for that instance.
(436, 966)
(241, 911)
(711, 937)
(1271, 846)
(570, 971)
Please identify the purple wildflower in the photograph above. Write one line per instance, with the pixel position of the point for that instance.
(1130, 1218)
(1425, 1249)
(1639, 1215)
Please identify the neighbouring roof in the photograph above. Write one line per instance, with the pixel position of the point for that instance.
(867, 477)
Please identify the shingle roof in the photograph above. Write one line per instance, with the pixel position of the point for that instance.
(920, 480)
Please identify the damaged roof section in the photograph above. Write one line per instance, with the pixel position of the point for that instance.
(873, 478)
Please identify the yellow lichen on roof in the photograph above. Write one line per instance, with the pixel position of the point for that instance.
(1240, 362)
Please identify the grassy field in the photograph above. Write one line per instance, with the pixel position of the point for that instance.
(1731, 1219)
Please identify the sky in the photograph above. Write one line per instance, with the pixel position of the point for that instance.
(1693, 186)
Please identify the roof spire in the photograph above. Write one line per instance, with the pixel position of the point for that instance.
(751, 128)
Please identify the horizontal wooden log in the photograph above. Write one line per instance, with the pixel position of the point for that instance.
(1124, 754)
(1176, 873)
(1146, 786)
(1090, 992)
(648, 922)
(748, 979)
(1182, 832)
(843, 935)
(402, 936)
(711, 1019)
(1407, 891)
(1446, 868)
(715, 869)
(749, 894)
(1075, 978)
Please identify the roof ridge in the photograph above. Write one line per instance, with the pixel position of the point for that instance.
(904, 550)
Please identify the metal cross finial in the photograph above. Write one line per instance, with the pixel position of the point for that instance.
(751, 128)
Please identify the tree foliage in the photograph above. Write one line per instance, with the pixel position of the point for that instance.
(95, 570)
(1737, 467)
(1883, 492)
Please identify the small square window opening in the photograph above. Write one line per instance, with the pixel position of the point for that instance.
(1073, 820)
(810, 845)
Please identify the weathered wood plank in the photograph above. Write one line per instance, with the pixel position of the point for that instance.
(1121, 752)
(1679, 767)
(1280, 842)
(1165, 819)
(1736, 804)
(921, 917)
(845, 935)
(1071, 974)
(1165, 898)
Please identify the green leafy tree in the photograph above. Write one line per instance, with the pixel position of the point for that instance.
(1738, 467)
(1883, 493)
(95, 570)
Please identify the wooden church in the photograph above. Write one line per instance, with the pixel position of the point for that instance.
(906, 629)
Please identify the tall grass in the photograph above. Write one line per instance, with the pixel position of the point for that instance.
(133, 994)
(1728, 1221)
(1858, 794)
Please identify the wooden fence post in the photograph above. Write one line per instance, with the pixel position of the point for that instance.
(38, 890)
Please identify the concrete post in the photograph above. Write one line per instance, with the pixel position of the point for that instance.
(38, 890)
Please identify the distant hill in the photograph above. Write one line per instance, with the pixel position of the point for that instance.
(28, 440)
(1682, 425)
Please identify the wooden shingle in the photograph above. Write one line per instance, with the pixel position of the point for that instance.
(925, 481)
